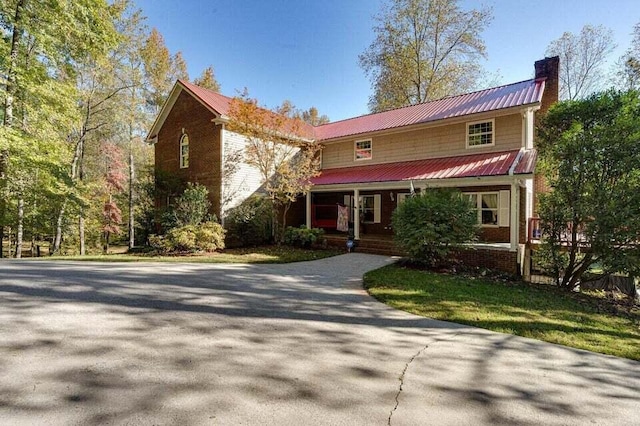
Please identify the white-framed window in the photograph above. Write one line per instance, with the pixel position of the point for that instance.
(184, 151)
(370, 208)
(480, 133)
(487, 207)
(492, 208)
(362, 150)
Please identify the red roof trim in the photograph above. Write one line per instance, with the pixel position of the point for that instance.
(475, 165)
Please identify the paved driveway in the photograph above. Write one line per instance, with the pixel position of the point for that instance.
(97, 343)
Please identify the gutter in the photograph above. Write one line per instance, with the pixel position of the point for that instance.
(516, 161)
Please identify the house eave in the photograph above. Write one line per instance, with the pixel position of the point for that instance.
(426, 183)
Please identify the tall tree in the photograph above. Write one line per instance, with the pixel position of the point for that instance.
(114, 183)
(46, 41)
(161, 69)
(277, 148)
(133, 34)
(424, 50)
(582, 58)
(627, 68)
(590, 156)
(313, 117)
(208, 80)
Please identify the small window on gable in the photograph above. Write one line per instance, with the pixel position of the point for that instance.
(480, 133)
(363, 150)
(184, 151)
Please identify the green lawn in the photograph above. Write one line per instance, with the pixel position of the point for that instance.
(540, 312)
(266, 254)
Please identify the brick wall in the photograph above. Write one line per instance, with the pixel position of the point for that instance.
(505, 261)
(204, 147)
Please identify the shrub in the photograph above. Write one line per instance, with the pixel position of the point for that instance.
(250, 223)
(191, 208)
(209, 237)
(303, 236)
(430, 225)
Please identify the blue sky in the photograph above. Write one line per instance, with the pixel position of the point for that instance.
(307, 51)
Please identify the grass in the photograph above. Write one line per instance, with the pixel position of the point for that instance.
(537, 311)
(265, 254)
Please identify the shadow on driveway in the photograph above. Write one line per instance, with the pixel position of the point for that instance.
(96, 343)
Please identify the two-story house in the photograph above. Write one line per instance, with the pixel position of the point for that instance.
(482, 143)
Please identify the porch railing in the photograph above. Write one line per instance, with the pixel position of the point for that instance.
(535, 233)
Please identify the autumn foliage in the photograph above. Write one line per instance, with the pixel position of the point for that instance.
(280, 146)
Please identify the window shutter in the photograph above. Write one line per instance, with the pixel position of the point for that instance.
(503, 213)
(377, 201)
(347, 202)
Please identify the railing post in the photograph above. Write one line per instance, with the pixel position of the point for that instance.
(308, 210)
(356, 214)
(514, 217)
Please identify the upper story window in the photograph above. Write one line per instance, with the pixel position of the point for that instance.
(184, 151)
(363, 150)
(480, 133)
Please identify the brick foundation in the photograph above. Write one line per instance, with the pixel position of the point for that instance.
(501, 260)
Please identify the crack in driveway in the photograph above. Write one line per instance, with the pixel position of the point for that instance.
(401, 378)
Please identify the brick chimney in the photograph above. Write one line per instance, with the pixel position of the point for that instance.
(548, 69)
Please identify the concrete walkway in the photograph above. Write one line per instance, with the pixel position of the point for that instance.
(103, 343)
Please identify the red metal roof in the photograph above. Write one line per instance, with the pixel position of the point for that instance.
(476, 165)
(222, 104)
(214, 100)
(527, 162)
(512, 95)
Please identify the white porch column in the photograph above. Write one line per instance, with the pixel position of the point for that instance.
(514, 216)
(308, 210)
(356, 214)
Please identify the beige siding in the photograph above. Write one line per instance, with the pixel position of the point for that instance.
(432, 142)
(245, 181)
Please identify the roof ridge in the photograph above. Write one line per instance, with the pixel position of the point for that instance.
(426, 102)
(182, 81)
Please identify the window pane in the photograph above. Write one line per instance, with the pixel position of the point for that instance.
(489, 217)
(363, 150)
(480, 133)
(489, 201)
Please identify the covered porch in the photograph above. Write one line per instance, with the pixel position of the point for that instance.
(501, 208)
(500, 184)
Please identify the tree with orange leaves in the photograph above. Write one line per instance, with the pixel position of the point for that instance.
(280, 146)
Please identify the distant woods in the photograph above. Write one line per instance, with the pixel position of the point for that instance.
(80, 84)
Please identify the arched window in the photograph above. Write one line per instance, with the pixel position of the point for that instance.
(184, 151)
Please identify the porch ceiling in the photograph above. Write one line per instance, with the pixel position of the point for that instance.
(476, 165)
